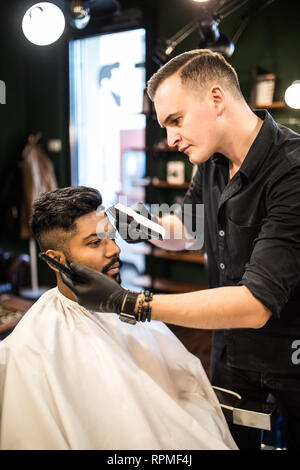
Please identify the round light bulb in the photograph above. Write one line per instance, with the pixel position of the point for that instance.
(292, 95)
(43, 23)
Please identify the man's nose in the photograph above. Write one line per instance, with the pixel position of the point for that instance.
(173, 137)
(112, 249)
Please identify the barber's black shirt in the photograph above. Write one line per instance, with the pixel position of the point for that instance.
(252, 238)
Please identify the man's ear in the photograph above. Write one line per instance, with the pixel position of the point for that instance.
(58, 256)
(218, 99)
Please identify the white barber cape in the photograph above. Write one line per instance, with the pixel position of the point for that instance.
(72, 379)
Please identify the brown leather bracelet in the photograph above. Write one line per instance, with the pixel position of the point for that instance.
(130, 302)
(127, 314)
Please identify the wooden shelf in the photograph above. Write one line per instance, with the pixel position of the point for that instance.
(164, 149)
(155, 149)
(165, 184)
(186, 256)
(189, 257)
(167, 285)
(162, 184)
(275, 105)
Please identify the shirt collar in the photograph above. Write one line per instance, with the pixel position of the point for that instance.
(261, 145)
(258, 150)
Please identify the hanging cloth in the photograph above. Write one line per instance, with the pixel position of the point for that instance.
(38, 176)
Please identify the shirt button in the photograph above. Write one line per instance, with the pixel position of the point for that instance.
(222, 266)
(221, 233)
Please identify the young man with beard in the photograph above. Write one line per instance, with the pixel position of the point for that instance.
(72, 378)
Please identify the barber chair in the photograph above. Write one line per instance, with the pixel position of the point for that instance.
(12, 269)
(239, 410)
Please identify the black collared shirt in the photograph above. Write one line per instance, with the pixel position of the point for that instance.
(252, 238)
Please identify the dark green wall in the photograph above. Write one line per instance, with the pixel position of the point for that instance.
(36, 77)
(36, 90)
(12, 114)
(271, 38)
(36, 100)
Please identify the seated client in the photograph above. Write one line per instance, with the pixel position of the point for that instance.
(77, 379)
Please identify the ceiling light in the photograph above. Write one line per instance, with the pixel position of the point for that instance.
(222, 45)
(80, 15)
(43, 23)
(292, 95)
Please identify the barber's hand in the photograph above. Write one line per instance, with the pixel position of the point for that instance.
(131, 231)
(97, 291)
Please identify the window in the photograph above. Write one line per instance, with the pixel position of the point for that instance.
(107, 128)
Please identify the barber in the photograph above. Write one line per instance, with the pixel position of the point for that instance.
(248, 179)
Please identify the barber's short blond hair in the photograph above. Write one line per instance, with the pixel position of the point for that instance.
(198, 68)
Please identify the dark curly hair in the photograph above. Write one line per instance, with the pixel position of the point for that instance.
(55, 212)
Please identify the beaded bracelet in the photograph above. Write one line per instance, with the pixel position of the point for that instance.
(144, 308)
(140, 306)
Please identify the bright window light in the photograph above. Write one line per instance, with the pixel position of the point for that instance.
(43, 23)
(107, 85)
(292, 95)
(200, 1)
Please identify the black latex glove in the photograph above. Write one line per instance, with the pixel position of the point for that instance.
(97, 292)
(138, 234)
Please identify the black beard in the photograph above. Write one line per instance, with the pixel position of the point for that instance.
(116, 276)
(115, 260)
